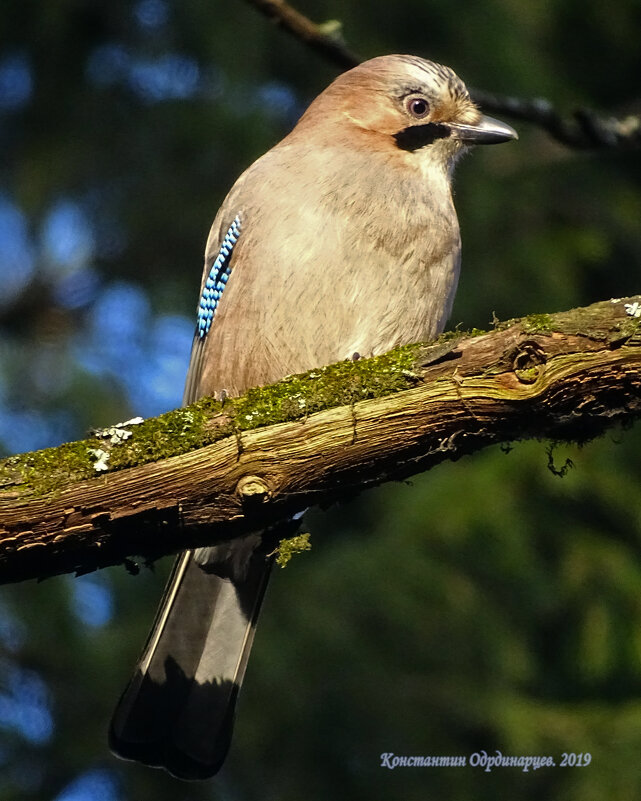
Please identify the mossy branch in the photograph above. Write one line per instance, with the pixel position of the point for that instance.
(214, 471)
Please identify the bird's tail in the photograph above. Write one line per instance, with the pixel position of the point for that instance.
(178, 710)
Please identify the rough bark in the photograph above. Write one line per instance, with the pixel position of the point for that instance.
(214, 471)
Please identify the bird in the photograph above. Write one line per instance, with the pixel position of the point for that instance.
(340, 242)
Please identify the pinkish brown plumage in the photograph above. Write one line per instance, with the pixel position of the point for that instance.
(342, 239)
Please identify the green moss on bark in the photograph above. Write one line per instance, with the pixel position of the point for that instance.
(208, 421)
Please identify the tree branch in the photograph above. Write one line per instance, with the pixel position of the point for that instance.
(582, 129)
(325, 39)
(215, 471)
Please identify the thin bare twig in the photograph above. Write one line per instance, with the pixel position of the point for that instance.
(325, 39)
(582, 129)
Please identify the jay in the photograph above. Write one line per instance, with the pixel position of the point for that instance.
(340, 240)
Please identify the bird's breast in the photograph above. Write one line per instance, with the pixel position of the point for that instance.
(344, 266)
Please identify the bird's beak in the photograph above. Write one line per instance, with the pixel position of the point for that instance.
(487, 131)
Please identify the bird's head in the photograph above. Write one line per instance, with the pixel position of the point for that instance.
(404, 104)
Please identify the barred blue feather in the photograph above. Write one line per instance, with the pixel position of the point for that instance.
(216, 280)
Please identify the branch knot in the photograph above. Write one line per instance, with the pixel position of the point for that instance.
(528, 361)
(253, 490)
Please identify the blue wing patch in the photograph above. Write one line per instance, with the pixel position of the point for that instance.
(216, 280)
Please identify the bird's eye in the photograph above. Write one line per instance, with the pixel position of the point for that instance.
(418, 107)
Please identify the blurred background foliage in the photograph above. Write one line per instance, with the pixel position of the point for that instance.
(487, 605)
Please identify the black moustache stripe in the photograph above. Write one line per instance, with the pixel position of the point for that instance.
(415, 137)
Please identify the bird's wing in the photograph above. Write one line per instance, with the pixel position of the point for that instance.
(178, 710)
(219, 263)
